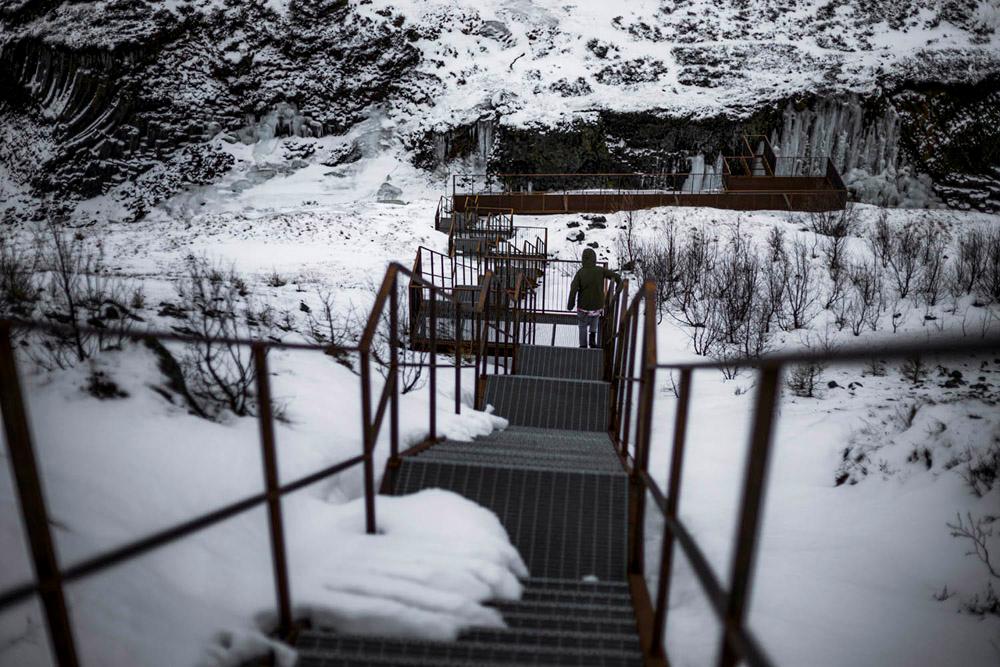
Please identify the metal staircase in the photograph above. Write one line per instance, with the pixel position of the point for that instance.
(558, 486)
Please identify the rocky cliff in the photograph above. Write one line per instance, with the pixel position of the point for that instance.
(98, 94)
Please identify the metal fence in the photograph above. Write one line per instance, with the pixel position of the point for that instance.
(501, 315)
(51, 577)
(634, 373)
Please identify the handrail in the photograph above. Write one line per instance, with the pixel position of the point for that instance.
(737, 642)
(51, 578)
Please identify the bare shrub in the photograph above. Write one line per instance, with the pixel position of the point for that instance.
(970, 261)
(989, 279)
(931, 281)
(804, 379)
(219, 374)
(744, 303)
(913, 369)
(697, 259)
(836, 293)
(658, 260)
(837, 224)
(275, 279)
(693, 302)
(626, 242)
(412, 361)
(798, 307)
(867, 297)
(83, 297)
(19, 285)
(875, 366)
(977, 531)
(982, 470)
(880, 239)
(904, 257)
(834, 249)
(776, 244)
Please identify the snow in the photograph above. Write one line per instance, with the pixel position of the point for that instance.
(846, 574)
(116, 470)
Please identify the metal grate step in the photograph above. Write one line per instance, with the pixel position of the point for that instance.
(515, 456)
(540, 465)
(567, 363)
(496, 449)
(584, 625)
(575, 405)
(567, 609)
(322, 648)
(576, 585)
(570, 640)
(566, 525)
(475, 454)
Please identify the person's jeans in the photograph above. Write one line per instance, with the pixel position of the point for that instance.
(585, 321)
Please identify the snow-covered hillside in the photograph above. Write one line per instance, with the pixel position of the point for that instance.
(285, 151)
(857, 562)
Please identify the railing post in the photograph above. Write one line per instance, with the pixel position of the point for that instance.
(458, 351)
(644, 422)
(33, 511)
(750, 509)
(673, 499)
(433, 364)
(394, 372)
(367, 444)
(629, 368)
(272, 485)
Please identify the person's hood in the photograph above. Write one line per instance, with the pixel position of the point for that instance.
(589, 257)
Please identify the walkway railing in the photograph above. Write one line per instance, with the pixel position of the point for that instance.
(51, 577)
(635, 370)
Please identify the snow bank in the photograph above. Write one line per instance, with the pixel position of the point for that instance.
(115, 470)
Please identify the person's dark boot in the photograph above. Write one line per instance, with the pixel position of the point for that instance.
(593, 340)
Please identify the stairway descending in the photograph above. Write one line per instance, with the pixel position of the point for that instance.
(558, 487)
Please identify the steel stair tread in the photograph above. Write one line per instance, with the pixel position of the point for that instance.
(580, 405)
(560, 362)
(329, 644)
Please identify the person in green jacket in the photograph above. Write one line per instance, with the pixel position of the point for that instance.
(587, 294)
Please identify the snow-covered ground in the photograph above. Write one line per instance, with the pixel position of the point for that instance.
(846, 574)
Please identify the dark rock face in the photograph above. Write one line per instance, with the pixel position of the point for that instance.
(949, 132)
(114, 103)
(125, 92)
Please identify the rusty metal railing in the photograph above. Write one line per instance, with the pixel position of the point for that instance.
(51, 577)
(634, 376)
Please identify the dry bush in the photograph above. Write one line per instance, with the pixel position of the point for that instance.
(804, 380)
(219, 375)
(880, 239)
(989, 279)
(904, 255)
(89, 304)
(798, 306)
(931, 281)
(970, 261)
(328, 326)
(19, 284)
(914, 370)
(866, 300)
(836, 224)
(412, 361)
(658, 259)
